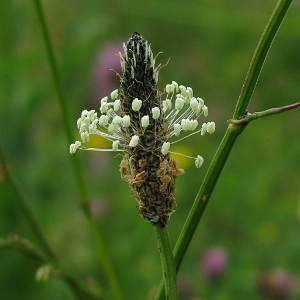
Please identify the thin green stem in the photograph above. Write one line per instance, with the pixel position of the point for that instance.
(167, 262)
(256, 115)
(80, 289)
(229, 138)
(84, 198)
(260, 55)
(22, 203)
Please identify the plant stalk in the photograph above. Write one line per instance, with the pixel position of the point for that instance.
(167, 262)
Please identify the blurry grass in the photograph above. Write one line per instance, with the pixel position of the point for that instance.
(253, 212)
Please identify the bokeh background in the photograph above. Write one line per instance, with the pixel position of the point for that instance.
(253, 219)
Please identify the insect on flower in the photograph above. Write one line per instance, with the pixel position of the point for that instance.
(140, 125)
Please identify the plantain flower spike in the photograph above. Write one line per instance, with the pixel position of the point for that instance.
(143, 127)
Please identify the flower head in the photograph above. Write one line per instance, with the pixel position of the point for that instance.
(141, 124)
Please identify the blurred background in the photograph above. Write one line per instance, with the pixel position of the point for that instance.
(248, 244)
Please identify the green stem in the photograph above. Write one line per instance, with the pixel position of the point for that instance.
(256, 115)
(260, 55)
(84, 198)
(22, 203)
(81, 290)
(229, 138)
(167, 262)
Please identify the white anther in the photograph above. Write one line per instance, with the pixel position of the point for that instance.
(145, 121)
(175, 84)
(194, 104)
(155, 113)
(74, 147)
(112, 128)
(205, 110)
(203, 129)
(185, 124)
(201, 101)
(210, 127)
(179, 102)
(79, 122)
(199, 161)
(117, 120)
(136, 104)
(104, 100)
(177, 128)
(165, 148)
(115, 145)
(92, 115)
(170, 88)
(126, 121)
(117, 105)
(134, 141)
(167, 105)
(103, 120)
(85, 137)
(114, 94)
(189, 92)
(193, 124)
(104, 107)
(93, 126)
(183, 90)
(84, 114)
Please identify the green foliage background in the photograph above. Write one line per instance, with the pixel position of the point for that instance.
(254, 212)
